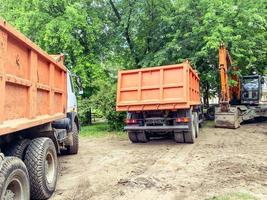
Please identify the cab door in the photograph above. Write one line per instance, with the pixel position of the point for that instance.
(72, 101)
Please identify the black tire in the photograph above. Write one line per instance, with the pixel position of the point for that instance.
(196, 123)
(132, 137)
(210, 113)
(190, 136)
(142, 137)
(75, 136)
(18, 148)
(41, 161)
(179, 137)
(14, 179)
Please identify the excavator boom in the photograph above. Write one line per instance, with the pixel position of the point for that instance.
(227, 116)
(224, 60)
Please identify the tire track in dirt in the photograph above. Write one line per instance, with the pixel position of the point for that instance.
(221, 161)
(154, 179)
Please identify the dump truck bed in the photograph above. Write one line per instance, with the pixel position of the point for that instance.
(32, 84)
(158, 88)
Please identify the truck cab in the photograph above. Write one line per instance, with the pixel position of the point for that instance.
(38, 117)
(72, 100)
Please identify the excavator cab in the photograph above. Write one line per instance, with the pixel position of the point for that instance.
(251, 89)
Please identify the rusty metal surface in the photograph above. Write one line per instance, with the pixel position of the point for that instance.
(32, 84)
(230, 119)
(158, 88)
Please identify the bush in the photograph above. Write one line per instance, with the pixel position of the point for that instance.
(84, 106)
(105, 101)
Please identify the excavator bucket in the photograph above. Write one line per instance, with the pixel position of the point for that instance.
(229, 119)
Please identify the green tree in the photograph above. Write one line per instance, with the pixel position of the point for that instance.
(101, 37)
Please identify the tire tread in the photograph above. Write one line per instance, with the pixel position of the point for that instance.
(8, 165)
(75, 147)
(18, 149)
(179, 137)
(33, 160)
(133, 137)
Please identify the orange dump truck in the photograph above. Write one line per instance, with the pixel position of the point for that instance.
(159, 101)
(38, 117)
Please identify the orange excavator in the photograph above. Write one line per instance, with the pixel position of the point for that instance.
(246, 100)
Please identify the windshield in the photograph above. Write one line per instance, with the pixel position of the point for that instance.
(251, 84)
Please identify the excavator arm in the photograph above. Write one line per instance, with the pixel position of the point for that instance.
(224, 65)
(228, 93)
(227, 116)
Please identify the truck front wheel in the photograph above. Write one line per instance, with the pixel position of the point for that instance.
(42, 164)
(14, 179)
(75, 136)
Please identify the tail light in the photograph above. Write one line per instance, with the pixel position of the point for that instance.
(182, 119)
(131, 121)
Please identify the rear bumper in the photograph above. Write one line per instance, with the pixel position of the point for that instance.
(157, 128)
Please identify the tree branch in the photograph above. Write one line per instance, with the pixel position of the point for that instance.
(127, 31)
(115, 10)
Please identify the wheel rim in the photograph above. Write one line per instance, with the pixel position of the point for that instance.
(50, 167)
(14, 190)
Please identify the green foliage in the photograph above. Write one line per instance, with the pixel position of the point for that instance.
(85, 109)
(67, 26)
(101, 37)
(105, 100)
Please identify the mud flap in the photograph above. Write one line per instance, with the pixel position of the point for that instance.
(230, 119)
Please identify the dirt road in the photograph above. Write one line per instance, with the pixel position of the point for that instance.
(221, 161)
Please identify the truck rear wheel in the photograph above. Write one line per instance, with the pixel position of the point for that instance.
(41, 161)
(142, 137)
(18, 149)
(132, 137)
(190, 135)
(14, 179)
(179, 137)
(196, 123)
(75, 135)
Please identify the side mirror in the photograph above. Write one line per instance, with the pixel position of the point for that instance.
(80, 92)
(79, 83)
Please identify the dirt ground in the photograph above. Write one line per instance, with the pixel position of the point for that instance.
(220, 162)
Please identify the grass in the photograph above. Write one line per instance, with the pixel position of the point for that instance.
(235, 196)
(209, 124)
(100, 129)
